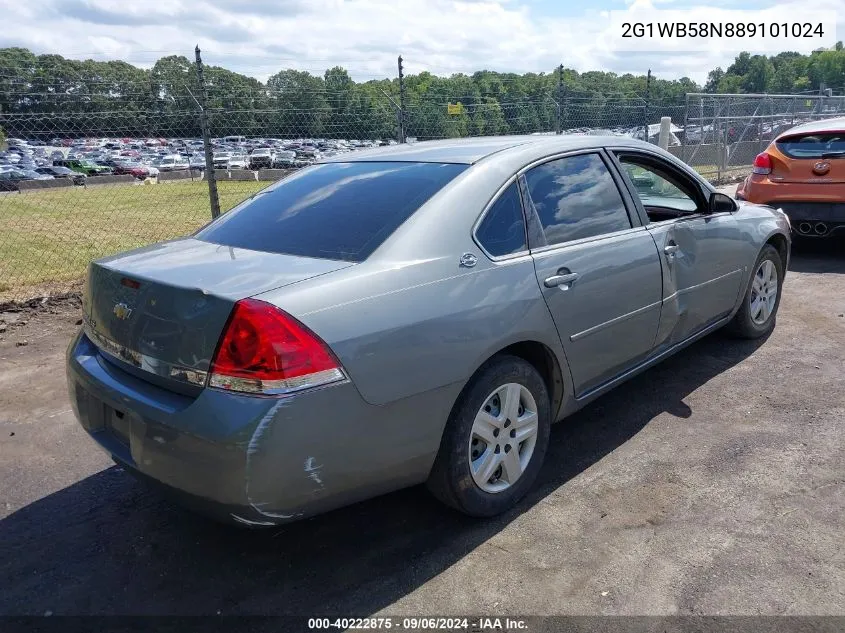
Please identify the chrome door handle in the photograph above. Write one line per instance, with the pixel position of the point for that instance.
(671, 249)
(561, 281)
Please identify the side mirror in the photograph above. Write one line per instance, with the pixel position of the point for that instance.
(719, 203)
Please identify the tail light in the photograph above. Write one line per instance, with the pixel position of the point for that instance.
(762, 164)
(263, 350)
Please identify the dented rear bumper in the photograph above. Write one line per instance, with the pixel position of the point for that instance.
(247, 459)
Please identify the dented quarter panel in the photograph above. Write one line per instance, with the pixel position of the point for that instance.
(307, 459)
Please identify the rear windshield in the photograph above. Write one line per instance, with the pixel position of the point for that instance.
(331, 211)
(813, 145)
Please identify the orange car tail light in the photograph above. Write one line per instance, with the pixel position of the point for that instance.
(762, 164)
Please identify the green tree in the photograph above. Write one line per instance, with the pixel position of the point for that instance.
(760, 74)
(784, 78)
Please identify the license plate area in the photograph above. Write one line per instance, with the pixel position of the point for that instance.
(117, 424)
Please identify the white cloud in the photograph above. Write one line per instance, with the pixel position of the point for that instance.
(260, 37)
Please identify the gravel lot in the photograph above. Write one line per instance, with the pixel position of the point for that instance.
(712, 484)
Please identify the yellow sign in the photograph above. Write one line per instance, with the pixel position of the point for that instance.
(808, 102)
(454, 108)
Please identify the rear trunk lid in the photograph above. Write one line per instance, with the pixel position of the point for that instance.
(160, 310)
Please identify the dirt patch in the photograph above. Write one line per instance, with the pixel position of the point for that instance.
(36, 318)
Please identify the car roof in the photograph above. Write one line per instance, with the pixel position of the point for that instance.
(471, 150)
(824, 125)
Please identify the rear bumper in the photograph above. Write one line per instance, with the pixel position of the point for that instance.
(188, 444)
(814, 210)
(815, 219)
(253, 460)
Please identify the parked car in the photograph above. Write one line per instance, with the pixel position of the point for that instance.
(284, 158)
(11, 178)
(803, 172)
(83, 166)
(237, 161)
(172, 162)
(418, 313)
(124, 167)
(63, 172)
(33, 174)
(262, 158)
(221, 159)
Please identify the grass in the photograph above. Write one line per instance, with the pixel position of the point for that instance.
(49, 236)
(712, 173)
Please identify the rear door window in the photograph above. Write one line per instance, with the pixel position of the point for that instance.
(576, 197)
(818, 145)
(332, 211)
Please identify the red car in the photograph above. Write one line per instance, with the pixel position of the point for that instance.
(132, 169)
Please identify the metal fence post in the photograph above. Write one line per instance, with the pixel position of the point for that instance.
(213, 196)
(401, 113)
(559, 125)
(686, 128)
(647, 97)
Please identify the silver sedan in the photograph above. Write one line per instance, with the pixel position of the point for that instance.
(417, 313)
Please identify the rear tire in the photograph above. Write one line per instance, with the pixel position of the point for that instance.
(757, 314)
(495, 439)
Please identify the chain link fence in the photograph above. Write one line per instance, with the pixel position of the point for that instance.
(722, 133)
(100, 166)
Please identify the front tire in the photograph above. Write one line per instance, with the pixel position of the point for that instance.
(757, 315)
(495, 439)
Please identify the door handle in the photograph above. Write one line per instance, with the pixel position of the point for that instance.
(561, 281)
(671, 249)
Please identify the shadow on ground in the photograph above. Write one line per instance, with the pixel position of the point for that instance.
(107, 545)
(825, 255)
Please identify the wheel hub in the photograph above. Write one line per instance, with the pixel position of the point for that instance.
(503, 437)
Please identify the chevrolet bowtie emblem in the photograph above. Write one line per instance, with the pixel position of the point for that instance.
(122, 311)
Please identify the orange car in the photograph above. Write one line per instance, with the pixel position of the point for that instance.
(803, 173)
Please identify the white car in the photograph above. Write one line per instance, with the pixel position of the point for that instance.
(262, 157)
(172, 163)
(237, 161)
(221, 159)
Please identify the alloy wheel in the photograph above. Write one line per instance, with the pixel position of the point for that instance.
(764, 292)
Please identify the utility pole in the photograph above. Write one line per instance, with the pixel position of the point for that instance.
(647, 98)
(213, 197)
(401, 113)
(559, 126)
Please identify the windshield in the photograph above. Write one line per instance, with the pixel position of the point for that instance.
(333, 211)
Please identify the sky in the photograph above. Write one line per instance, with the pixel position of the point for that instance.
(261, 37)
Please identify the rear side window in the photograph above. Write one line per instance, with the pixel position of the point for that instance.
(814, 145)
(502, 231)
(575, 197)
(332, 211)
